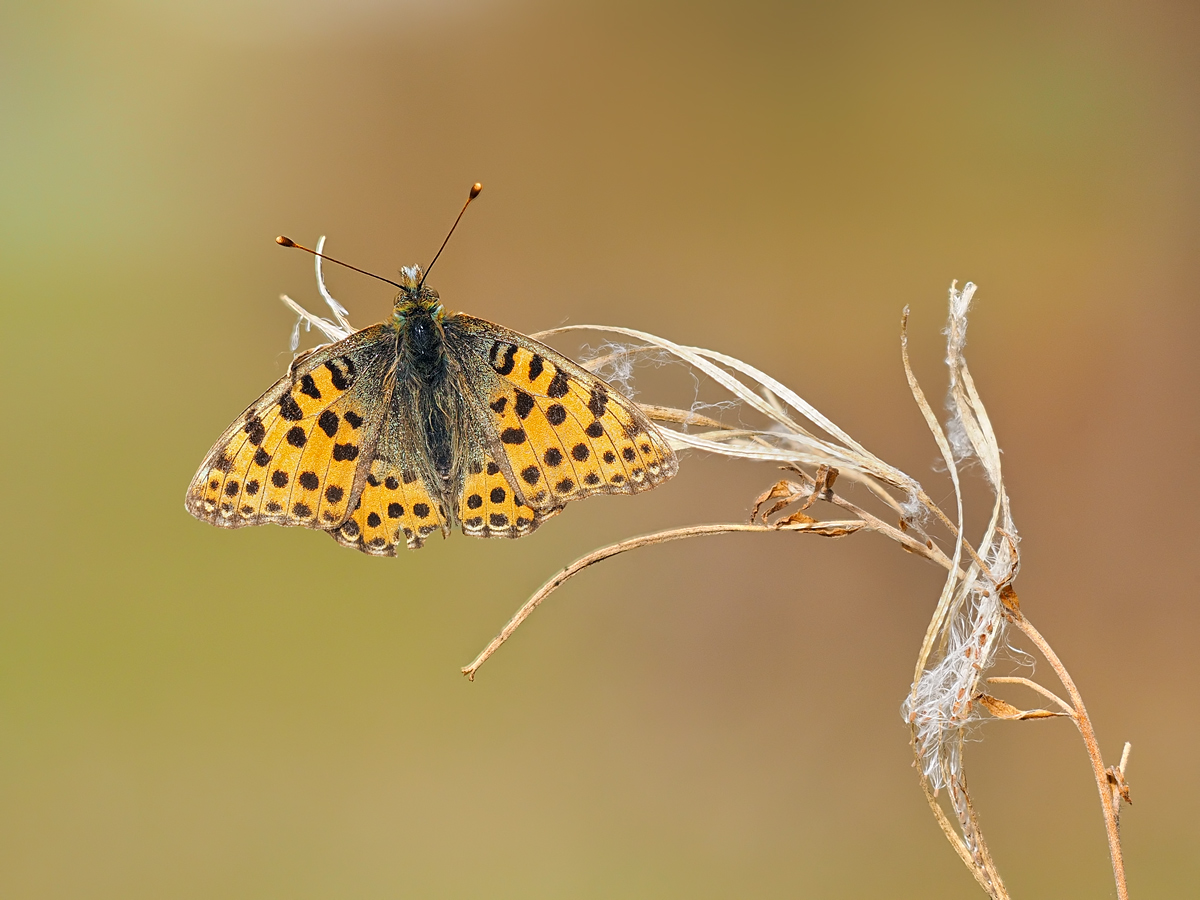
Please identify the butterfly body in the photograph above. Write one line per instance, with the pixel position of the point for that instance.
(423, 422)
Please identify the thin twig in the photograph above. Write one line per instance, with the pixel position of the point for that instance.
(828, 529)
(1120, 789)
(1084, 724)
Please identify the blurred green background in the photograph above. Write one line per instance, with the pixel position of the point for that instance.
(193, 713)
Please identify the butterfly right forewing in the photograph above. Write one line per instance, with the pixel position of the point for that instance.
(557, 431)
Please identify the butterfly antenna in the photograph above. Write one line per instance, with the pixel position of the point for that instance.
(288, 242)
(475, 189)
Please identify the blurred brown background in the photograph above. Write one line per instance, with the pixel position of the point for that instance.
(192, 713)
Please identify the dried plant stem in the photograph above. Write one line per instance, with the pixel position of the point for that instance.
(828, 529)
(1084, 724)
(995, 889)
(977, 602)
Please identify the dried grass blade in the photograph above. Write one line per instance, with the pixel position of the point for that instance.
(943, 605)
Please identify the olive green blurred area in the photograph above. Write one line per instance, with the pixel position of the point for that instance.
(188, 712)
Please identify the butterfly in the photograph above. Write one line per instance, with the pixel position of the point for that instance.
(423, 422)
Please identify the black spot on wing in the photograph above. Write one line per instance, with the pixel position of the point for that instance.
(353, 419)
(536, 366)
(559, 386)
(502, 363)
(598, 401)
(290, 409)
(328, 422)
(309, 388)
(255, 432)
(524, 404)
(342, 372)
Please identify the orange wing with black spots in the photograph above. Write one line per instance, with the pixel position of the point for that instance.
(298, 455)
(557, 432)
(408, 427)
(489, 507)
(403, 498)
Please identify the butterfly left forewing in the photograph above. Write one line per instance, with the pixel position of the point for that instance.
(557, 431)
(294, 456)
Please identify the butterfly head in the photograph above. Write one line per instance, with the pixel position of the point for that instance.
(415, 299)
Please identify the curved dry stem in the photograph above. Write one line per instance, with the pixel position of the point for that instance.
(959, 845)
(826, 529)
(1084, 724)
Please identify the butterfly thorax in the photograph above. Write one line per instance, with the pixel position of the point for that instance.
(418, 317)
(423, 379)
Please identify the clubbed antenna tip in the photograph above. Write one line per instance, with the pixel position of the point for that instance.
(288, 242)
(475, 189)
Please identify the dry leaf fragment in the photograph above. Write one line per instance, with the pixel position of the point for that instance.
(1003, 710)
(1009, 598)
(1116, 778)
(825, 529)
(797, 518)
(779, 489)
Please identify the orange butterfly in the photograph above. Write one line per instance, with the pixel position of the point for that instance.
(424, 421)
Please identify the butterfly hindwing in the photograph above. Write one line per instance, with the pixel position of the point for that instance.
(294, 457)
(489, 507)
(557, 431)
(401, 499)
